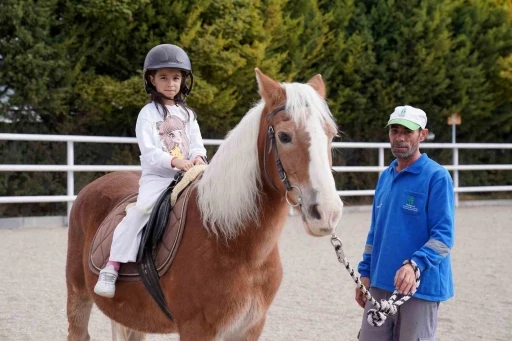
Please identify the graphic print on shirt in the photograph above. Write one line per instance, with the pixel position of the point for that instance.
(174, 137)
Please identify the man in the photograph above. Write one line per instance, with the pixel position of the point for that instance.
(412, 219)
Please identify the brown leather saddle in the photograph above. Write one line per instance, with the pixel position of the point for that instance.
(165, 250)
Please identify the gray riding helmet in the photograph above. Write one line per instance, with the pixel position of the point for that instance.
(168, 56)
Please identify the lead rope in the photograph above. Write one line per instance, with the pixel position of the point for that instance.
(375, 317)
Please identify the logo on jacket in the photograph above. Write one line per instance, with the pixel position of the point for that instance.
(410, 204)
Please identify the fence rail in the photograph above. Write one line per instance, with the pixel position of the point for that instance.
(70, 168)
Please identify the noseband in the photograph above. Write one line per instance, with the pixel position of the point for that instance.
(271, 137)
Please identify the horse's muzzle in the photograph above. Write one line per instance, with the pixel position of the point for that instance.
(322, 222)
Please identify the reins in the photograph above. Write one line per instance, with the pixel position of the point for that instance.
(375, 317)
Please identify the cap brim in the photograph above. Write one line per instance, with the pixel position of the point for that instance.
(405, 123)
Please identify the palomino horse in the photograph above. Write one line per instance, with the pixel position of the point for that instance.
(227, 269)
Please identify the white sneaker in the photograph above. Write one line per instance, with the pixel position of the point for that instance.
(106, 285)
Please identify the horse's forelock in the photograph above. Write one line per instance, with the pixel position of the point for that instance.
(302, 100)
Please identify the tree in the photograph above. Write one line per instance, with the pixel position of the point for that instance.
(75, 67)
(485, 35)
(33, 73)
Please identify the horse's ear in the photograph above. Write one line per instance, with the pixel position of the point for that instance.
(318, 84)
(271, 91)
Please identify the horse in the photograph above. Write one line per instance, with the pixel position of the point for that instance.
(227, 269)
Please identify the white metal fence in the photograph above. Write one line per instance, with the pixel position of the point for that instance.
(71, 168)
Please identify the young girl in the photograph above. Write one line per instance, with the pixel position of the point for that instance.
(169, 140)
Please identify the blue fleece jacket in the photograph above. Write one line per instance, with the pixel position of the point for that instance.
(412, 218)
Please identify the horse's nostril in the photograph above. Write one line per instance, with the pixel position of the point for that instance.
(314, 212)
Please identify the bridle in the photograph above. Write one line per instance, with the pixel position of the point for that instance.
(271, 137)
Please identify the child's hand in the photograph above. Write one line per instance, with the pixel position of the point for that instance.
(182, 164)
(199, 161)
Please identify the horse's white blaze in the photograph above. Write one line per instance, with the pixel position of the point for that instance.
(329, 203)
(305, 106)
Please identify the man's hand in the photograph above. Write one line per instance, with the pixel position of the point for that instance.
(182, 164)
(405, 280)
(360, 297)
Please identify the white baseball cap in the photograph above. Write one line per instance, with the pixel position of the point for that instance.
(409, 117)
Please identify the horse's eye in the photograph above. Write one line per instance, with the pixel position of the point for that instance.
(285, 138)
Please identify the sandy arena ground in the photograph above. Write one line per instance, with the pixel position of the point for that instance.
(315, 301)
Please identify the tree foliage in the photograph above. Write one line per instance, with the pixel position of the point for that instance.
(75, 67)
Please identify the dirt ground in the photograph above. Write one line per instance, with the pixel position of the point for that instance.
(315, 300)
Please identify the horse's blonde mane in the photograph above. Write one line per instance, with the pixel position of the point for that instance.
(229, 191)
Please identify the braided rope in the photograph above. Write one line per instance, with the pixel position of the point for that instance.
(376, 317)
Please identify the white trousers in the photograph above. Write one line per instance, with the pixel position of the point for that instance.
(127, 235)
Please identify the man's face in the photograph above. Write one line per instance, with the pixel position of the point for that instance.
(405, 142)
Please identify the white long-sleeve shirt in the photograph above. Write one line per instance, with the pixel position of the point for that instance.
(162, 140)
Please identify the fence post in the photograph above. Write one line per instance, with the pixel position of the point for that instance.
(381, 159)
(456, 173)
(71, 178)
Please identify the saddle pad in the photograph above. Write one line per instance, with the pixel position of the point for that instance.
(190, 176)
(164, 252)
